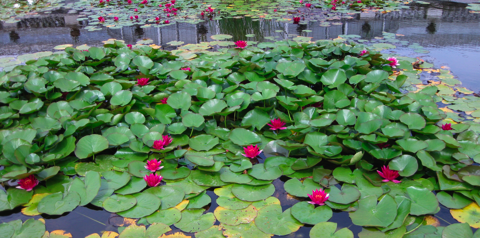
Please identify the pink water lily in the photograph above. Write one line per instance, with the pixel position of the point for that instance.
(157, 19)
(129, 46)
(115, 18)
(277, 124)
(144, 2)
(173, 1)
(160, 144)
(241, 44)
(129, 1)
(364, 52)
(296, 20)
(100, 2)
(154, 165)
(164, 100)
(153, 180)
(388, 174)
(160, 5)
(135, 10)
(202, 13)
(142, 81)
(334, 7)
(131, 18)
(318, 197)
(101, 19)
(393, 62)
(168, 15)
(447, 127)
(251, 151)
(308, 5)
(274, 10)
(186, 69)
(166, 22)
(136, 17)
(28, 183)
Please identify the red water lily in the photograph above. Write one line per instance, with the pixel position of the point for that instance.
(28, 183)
(153, 180)
(296, 20)
(334, 7)
(186, 69)
(274, 10)
(115, 18)
(174, 13)
(100, 2)
(277, 124)
(388, 174)
(131, 18)
(241, 44)
(447, 127)
(165, 141)
(173, 1)
(157, 19)
(364, 52)
(144, 2)
(129, 1)
(393, 62)
(101, 19)
(168, 15)
(142, 81)
(251, 151)
(202, 13)
(160, 5)
(164, 100)
(318, 197)
(166, 22)
(136, 17)
(154, 165)
(135, 10)
(129, 46)
(308, 5)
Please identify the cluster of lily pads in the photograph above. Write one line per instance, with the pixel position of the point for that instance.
(91, 127)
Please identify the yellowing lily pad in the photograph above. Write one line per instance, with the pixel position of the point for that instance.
(469, 214)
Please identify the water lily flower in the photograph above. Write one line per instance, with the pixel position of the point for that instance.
(202, 14)
(308, 5)
(301, 1)
(153, 180)
(334, 7)
(383, 145)
(168, 5)
(115, 18)
(251, 151)
(318, 197)
(274, 10)
(388, 174)
(447, 127)
(174, 9)
(364, 52)
(158, 144)
(160, 5)
(393, 62)
(129, 46)
(296, 20)
(136, 17)
(168, 15)
(157, 19)
(186, 69)
(359, 1)
(166, 140)
(144, 2)
(131, 18)
(343, 2)
(135, 10)
(174, 13)
(100, 2)
(277, 124)
(241, 44)
(154, 165)
(101, 19)
(129, 1)
(173, 1)
(164, 100)
(28, 183)
(142, 81)
(107, 1)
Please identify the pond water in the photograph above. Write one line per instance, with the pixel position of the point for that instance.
(447, 31)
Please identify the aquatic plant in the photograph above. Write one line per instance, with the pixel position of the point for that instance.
(80, 123)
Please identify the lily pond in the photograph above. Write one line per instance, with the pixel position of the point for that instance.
(253, 119)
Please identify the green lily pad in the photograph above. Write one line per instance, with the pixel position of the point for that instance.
(203, 142)
(329, 230)
(347, 195)
(457, 201)
(307, 213)
(193, 220)
(299, 189)
(118, 203)
(271, 220)
(167, 216)
(423, 201)
(235, 217)
(59, 203)
(243, 137)
(90, 145)
(252, 193)
(168, 194)
(370, 213)
(147, 204)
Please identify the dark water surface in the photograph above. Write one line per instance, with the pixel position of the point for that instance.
(447, 30)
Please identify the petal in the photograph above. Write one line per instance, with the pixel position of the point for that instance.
(385, 180)
(396, 181)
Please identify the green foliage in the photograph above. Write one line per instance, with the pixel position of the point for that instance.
(344, 115)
